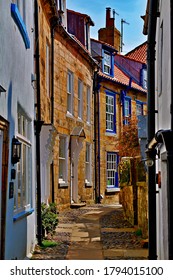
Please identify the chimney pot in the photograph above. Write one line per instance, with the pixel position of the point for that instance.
(108, 16)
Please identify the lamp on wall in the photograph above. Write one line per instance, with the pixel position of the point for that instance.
(16, 151)
(2, 89)
(150, 157)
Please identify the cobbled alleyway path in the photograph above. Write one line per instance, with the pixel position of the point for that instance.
(94, 232)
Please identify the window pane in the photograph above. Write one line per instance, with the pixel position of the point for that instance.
(22, 192)
(63, 159)
(70, 92)
(62, 148)
(110, 113)
(111, 169)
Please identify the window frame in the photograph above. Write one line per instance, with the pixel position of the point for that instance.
(111, 170)
(110, 65)
(113, 96)
(139, 103)
(48, 68)
(63, 180)
(126, 117)
(144, 77)
(23, 203)
(80, 99)
(70, 92)
(88, 162)
(88, 104)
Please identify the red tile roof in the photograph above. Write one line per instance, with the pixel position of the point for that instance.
(139, 53)
(121, 78)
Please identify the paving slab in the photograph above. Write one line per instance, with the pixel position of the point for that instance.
(97, 232)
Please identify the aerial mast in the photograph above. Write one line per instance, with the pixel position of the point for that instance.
(122, 23)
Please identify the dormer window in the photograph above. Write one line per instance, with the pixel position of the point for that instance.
(144, 78)
(107, 63)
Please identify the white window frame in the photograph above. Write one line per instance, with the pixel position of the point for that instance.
(63, 160)
(139, 108)
(144, 78)
(126, 108)
(88, 160)
(88, 104)
(70, 89)
(107, 63)
(111, 169)
(110, 113)
(80, 99)
(48, 68)
(23, 190)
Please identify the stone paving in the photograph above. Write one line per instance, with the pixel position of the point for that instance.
(94, 232)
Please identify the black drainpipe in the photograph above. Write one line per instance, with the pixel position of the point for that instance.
(152, 250)
(96, 136)
(171, 54)
(95, 131)
(52, 103)
(98, 93)
(170, 155)
(38, 125)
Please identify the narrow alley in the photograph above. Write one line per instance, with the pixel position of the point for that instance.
(94, 232)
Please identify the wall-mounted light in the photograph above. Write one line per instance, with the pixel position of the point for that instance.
(150, 157)
(16, 151)
(2, 89)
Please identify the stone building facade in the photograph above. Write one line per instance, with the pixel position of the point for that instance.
(66, 80)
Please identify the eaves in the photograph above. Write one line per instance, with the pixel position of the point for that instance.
(114, 80)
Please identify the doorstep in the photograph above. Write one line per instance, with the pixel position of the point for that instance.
(77, 205)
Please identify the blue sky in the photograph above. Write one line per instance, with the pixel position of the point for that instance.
(128, 10)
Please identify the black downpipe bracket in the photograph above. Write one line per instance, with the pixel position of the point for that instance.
(152, 250)
(38, 125)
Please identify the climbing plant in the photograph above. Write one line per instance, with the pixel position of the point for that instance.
(128, 144)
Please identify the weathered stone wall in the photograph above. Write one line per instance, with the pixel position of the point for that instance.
(126, 199)
(67, 57)
(143, 208)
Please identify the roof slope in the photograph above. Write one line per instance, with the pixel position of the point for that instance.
(122, 78)
(139, 53)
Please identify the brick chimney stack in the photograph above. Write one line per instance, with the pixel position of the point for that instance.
(109, 20)
(110, 34)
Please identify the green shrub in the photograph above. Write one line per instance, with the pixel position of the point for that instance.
(48, 243)
(49, 218)
(138, 232)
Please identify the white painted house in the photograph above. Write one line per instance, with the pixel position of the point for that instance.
(158, 25)
(17, 175)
